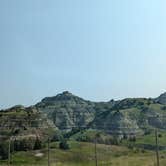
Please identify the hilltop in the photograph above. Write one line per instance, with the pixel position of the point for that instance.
(131, 115)
(66, 111)
(161, 99)
(72, 117)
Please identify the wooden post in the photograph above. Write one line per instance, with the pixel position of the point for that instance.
(157, 148)
(96, 163)
(9, 149)
(48, 152)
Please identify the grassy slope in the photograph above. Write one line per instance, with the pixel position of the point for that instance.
(150, 139)
(82, 154)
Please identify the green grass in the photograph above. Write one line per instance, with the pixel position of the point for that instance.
(82, 154)
(150, 139)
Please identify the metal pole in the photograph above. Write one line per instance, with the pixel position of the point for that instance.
(157, 148)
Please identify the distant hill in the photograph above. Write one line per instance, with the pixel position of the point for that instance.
(161, 99)
(131, 116)
(128, 116)
(67, 111)
(23, 123)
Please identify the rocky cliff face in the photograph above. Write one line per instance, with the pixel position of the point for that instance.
(161, 99)
(132, 116)
(24, 122)
(128, 116)
(67, 110)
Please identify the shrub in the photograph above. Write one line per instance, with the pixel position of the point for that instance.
(130, 146)
(57, 136)
(147, 132)
(132, 139)
(3, 151)
(63, 144)
(24, 144)
(38, 144)
(163, 108)
(72, 132)
(143, 150)
(115, 140)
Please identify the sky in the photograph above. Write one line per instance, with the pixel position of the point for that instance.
(96, 49)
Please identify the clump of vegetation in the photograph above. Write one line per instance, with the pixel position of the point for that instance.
(63, 144)
(147, 132)
(57, 136)
(27, 144)
(72, 132)
(163, 108)
(132, 139)
(115, 140)
(38, 144)
(159, 135)
(3, 150)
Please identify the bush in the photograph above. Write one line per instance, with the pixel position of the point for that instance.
(163, 108)
(132, 139)
(3, 151)
(84, 138)
(72, 132)
(135, 150)
(26, 144)
(63, 144)
(130, 146)
(38, 144)
(115, 140)
(143, 150)
(57, 136)
(147, 132)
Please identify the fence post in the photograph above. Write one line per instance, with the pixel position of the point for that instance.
(157, 148)
(48, 152)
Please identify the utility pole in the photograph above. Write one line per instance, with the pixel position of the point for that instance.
(157, 148)
(96, 163)
(48, 152)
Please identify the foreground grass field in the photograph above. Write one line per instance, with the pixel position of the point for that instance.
(82, 154)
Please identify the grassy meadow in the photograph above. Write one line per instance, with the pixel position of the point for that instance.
(82, 154)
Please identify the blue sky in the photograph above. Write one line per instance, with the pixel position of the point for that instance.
(97, 49)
